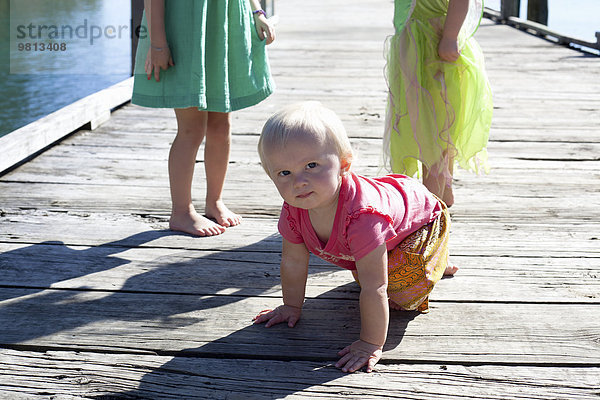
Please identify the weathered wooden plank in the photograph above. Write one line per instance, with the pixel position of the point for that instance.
(112, 267)
(363, 114)
(122, 140)
(124, 167)
(578, 133)
(364, 118)
(186, 324)
(258, 234)
(146, 376)
(128, 162)
(121, 166)
(502, 237)
(504, 119)
(140, 231)
(107, 150)
(503, 203)
(523, 236)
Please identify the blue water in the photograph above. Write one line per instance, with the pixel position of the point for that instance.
(35, 83)
(575, 18)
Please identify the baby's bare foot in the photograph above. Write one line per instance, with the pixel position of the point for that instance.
(194, 224)
(220, 213)
(450, 270)
(394, 305)
(422, 308)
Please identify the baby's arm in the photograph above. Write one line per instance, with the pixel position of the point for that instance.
(448, 48)
(294, 272)
(159, 54)
(374, 313)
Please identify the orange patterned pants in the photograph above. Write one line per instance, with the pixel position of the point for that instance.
(417, 264)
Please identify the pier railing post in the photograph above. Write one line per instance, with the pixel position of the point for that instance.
(509, 8)
(137, 10)
(537, 11)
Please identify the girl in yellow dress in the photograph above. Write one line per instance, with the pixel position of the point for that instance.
(440, 103)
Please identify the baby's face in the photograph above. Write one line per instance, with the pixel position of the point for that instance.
(307, 172)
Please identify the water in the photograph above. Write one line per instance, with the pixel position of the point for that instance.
(36, 82)
(575, 18)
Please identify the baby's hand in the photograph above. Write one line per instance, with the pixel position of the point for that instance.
(359, 354)
(448, 49)
(282, 313)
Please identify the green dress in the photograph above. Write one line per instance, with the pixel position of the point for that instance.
(436, 109)
(220, 62)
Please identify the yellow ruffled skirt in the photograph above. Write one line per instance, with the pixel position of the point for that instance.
(436, 109)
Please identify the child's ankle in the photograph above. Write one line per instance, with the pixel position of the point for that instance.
(183, 210)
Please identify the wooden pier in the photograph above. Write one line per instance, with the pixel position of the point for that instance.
(99, 300)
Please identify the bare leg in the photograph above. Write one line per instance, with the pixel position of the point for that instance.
(436, 181)
(216, 159)
(433, 181)
(191, 129)
(448, 196)
(394, 306)
(423, 307)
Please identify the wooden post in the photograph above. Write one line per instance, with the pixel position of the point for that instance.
(509, 8)
(137, 10)
(537, 11)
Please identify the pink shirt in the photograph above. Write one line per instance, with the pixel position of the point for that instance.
(370, 212)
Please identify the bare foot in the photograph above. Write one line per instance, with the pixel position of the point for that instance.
(394, 306)
(450, 270)
(194, 224)
(220, 213)
(423, 308)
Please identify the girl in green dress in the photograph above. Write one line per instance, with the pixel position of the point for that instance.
(440, 103)
(205, 59)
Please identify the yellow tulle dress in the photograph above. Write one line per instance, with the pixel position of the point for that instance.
(436, 109)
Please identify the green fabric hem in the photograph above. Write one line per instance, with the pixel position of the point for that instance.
(194, 101)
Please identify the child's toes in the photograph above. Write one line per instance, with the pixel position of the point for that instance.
(450, 270)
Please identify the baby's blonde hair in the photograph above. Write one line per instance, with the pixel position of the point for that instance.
(301, 119)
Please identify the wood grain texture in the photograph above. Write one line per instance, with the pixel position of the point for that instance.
(148, 376)
(99, 300)
(180, 324)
